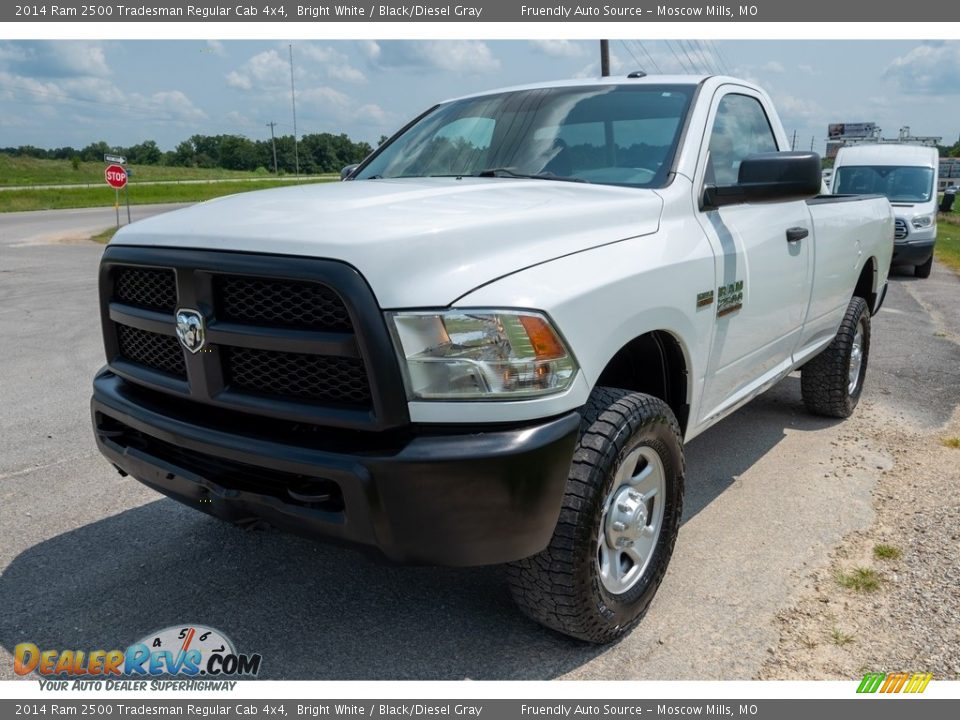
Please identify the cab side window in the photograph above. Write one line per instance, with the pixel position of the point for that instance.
(740, 128)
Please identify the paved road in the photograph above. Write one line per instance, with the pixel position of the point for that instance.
(59, 226)
(92, 560)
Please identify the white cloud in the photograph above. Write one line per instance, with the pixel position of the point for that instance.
(928, 69)
(239, 81)
(467, 57)
(239, 120)
(559, 48)
(370, 49)
(55, 59)
(177, 105)
(331, 62)
(270, 69)
(323, 97)
(773, 66)
(216, 47)
(265, 70)
(374, 114)
(75, 96)
(617, 67)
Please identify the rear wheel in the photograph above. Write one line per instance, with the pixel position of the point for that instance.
(923, 271)
(831, 383)
(618, 524)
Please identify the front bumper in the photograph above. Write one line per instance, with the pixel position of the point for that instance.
(481, 496)
(912, 252)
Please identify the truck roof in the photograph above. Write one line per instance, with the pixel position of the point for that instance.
(888, 154)
(588, 82)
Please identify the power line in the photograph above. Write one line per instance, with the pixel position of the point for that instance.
(691, 57)
(627, 48)
(695, 61)
(677, 56)
(727, 67)
(707, 57)
(646, 52)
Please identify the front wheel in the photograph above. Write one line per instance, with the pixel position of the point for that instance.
(831, 383)
(618, 524)
(923, 271)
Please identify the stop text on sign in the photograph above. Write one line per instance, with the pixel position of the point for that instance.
(116, 176)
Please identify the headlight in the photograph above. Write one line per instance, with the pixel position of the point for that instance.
(481, 354)
(922, 221)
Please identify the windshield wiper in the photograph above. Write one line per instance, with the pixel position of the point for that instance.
(507, 172)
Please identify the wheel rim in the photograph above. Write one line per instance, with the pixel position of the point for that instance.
(856, 361)
(631, 521)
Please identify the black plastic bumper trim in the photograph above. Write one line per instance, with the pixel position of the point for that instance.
(908, 253)
(461, 498)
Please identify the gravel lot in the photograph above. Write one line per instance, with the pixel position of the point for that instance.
(911, 620)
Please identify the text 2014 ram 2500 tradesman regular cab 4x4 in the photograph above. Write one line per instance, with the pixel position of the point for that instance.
(490, 343)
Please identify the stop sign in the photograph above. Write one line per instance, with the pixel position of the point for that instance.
(116, 176)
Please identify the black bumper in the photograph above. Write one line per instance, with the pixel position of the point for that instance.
(474, 497)
(908, 253)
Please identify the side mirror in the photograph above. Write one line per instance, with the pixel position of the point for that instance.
(348, 171)
(769, 176)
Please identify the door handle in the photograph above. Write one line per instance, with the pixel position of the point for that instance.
(796, 234)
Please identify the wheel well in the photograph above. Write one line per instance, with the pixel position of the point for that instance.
(653, 364)
(864, 287)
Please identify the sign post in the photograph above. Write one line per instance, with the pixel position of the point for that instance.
(116, 178)
(126, 193)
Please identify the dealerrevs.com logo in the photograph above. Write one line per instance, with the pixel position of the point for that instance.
(182, 651)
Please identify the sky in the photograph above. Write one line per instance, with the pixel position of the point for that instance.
(66, 92)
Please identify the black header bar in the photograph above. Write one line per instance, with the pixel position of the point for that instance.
(635, 11)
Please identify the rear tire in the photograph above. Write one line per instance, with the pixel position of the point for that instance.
(831, 383)
(618, 523)
(923, 271)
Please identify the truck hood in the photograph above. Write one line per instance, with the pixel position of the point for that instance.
(419, 242)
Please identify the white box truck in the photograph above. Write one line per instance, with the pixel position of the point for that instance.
(908, 176)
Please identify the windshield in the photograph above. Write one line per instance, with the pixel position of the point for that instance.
(899, 184)
(610, 134)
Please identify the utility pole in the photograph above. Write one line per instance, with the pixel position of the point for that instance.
(605, 58)
(273, 141)
(293, 100)
(793, 143)
(811, 143)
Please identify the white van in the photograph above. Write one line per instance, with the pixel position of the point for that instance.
(908, 176)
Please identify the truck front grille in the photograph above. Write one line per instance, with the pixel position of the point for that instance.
(159, 352)
(900, 230)
(297, 375)
(291, 338)
(152, 289)
(263, 301)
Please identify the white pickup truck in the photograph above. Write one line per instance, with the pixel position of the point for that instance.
(490, 343)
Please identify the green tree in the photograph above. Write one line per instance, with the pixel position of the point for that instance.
(146, 153)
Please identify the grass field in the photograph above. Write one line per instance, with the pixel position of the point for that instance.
(33, 171)
(59, 198)
(948, 240)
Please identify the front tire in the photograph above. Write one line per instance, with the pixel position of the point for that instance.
(832, 382)
(923, 271)
(618, 523)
